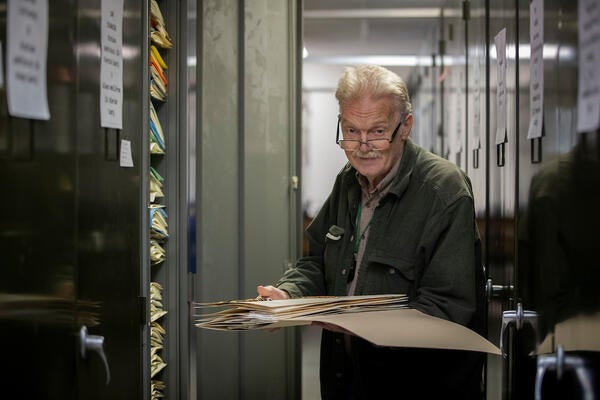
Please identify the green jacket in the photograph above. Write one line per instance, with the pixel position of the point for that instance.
(423, 242)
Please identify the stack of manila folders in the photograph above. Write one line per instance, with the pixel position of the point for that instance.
(384, 320)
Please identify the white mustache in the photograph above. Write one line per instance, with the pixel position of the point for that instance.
(371, 154)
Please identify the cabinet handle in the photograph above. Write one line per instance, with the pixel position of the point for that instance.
(496, 290)
(561, 362)
(93, 343)
(519, 317)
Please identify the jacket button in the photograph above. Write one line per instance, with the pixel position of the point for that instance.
(338, 341)
(344, 272)
(392, 270)
(339, 375)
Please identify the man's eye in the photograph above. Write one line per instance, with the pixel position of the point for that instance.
(352, 131)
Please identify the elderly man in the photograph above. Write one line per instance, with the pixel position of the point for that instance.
(398, 220)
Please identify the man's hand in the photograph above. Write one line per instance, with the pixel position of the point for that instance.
(271, 292)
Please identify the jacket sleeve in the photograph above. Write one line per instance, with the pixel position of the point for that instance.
(451, 280)
(307, 277)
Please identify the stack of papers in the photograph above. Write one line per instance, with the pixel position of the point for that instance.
(157, 137)
(157, 337)
(158, 79)
(156, 305)
(384, 320)
(157, 64)
(158, 83)
(156, 58)
(158, 33)
(159, 41)
(257, 314)
(157, 334)
(158, 221)
(156, 184)
(157, 252)
(157, 388)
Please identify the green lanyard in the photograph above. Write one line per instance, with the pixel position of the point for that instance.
(357, 237)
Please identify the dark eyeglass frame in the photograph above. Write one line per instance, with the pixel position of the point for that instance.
(390, 140)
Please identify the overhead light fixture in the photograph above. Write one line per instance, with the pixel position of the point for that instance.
(304, 52)
(385, 13)
(393, 61)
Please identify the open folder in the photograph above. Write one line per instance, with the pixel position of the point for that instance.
(384, 320)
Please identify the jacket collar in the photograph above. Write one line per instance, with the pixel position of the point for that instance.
(407, 165)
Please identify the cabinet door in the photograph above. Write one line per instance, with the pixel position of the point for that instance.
(506, 377)
(559, 180)
(71, 231)
(38, 266)
(248, 204)
(110, 250)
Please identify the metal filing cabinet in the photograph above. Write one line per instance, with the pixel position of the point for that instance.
(72, 242)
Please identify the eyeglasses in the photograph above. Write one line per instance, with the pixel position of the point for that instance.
(374, 143)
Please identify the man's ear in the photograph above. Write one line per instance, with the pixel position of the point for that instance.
(406, 127)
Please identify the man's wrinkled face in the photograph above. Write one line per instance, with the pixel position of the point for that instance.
(369, 121)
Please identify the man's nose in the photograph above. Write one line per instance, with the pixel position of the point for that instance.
(363, 142)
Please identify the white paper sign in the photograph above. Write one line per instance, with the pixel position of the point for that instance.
(588, 102)
(500, 40)
(536, 78)
(125, 159)
(27, 31)
(111, 65)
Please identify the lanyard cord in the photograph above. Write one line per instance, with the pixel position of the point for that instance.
(358, 237)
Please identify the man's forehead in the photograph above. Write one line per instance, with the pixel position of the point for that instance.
(367, 122)
(368, 99)
(385, 105)
(370, 115)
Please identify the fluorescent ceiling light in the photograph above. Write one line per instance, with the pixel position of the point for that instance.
(431, 12)
(550, 52)
(399, 61)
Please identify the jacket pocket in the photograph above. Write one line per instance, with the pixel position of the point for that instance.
(389, 273)
(395, 263)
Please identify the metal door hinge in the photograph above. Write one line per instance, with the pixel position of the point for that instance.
(295, 182)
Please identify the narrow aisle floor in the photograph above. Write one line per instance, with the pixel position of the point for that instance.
(311, 342)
